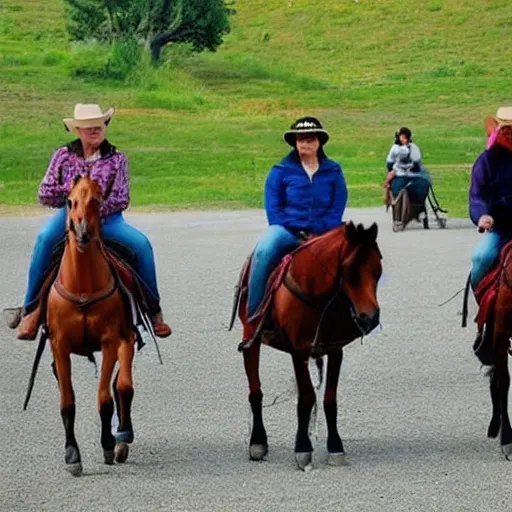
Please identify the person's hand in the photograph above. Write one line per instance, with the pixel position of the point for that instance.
(485, 223)
(389, 177)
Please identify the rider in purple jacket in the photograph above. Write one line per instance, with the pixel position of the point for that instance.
(490, 195)
(93, 156)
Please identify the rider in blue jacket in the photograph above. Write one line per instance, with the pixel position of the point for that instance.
(305, 194)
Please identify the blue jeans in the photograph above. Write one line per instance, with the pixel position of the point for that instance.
(485, 254)
(114, 227)
(272, 246)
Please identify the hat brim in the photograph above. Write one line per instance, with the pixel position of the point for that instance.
(503, 122)
(291, 135)
(72, 124)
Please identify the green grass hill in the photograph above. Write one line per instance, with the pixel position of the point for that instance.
(202, 130)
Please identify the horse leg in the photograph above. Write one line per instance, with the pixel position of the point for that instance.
(105, 402)
(258, 446)
(495, 423)
(67, 410)
(502, 376)
(307, 399)
(117, 401)
(124, 435)
(334, 443)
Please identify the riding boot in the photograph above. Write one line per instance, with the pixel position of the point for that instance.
(161, 328)
(29, 325)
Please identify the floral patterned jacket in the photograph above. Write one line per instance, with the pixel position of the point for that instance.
(110, 171)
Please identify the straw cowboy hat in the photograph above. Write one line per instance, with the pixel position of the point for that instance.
(502, 118)
(88, 116)
(306, 125)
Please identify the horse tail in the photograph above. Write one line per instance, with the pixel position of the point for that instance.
(238, 291)
(39, 352)
(234, 310)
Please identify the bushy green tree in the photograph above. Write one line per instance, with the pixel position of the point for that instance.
(202, 23)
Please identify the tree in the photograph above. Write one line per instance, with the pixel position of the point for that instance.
(156, 23)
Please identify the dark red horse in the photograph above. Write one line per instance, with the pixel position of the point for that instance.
(321, 297)
(494, 296)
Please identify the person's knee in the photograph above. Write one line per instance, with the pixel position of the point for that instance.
(483, 257)
(270, 242)
(141, 245)
(47, 239)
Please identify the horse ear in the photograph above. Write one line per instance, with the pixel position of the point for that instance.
(373, 230)
(76, 179)
(350, 230)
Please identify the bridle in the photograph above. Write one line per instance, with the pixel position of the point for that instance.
(323, 301)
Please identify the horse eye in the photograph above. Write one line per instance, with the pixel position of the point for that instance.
(70, 204)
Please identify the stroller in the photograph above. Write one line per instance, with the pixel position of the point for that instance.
(404, 210)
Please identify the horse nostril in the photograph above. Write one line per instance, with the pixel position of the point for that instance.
(369, 322)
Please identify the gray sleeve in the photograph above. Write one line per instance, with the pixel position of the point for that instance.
(415, 153)
(393, 152)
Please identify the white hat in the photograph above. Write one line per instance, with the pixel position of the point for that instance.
(88, 116)
(504, 116)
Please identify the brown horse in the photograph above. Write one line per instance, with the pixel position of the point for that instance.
(499, 373)
(325, 299)
(87, 313)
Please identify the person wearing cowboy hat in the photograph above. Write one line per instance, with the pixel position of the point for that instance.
(93, 156)
(305, 194)
(490, 209)
(490, 193)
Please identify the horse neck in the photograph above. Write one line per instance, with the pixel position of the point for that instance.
(315, 266)
(84, 272)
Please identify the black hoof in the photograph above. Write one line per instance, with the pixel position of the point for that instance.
(494, 429)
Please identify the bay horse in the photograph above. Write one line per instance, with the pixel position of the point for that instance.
(322, 297)
(87, 313)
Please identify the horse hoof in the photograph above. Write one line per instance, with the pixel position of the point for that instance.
(108, 455)
(493, 430)
(121, 452)
(304, 460)
(124, 436)
(75, 468)
(337, 459)
(73, 461)
(258, 451)
(507, 451)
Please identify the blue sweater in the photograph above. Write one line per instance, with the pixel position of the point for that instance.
(297, 203)
(491, 187)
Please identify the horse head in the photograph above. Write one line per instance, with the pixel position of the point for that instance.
(83, 204)
(361, 268)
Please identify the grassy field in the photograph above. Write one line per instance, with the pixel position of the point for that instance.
(203, 130)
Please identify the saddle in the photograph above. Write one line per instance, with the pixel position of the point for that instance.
(261, 317)
(141, 303)
(485, 292)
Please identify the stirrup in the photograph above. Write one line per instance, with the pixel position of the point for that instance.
(12, 316)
